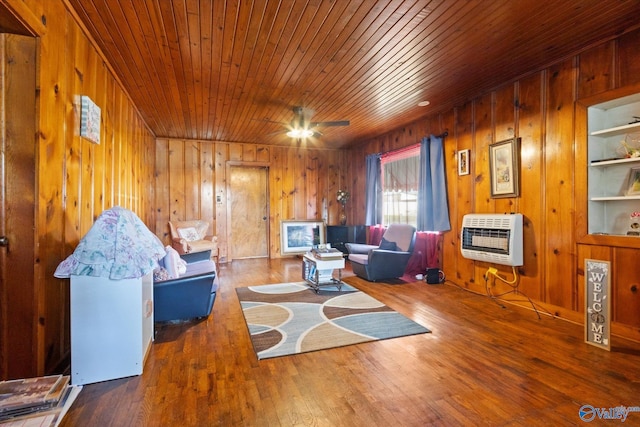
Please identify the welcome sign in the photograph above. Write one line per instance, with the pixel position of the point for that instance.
(597, 325)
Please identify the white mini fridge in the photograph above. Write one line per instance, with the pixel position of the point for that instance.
(111, 327)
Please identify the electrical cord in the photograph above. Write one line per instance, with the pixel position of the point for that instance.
(494, 297)
(514, 288)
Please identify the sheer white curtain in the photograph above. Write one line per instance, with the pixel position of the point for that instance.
(400, 185)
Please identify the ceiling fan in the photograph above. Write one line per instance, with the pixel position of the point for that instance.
(302, 127)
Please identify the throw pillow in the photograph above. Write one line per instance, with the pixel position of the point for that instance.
(387, 245)
(172, 262)
(189, 234)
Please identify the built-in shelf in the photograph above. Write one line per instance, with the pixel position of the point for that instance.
(611, 198)
(608, 175)
(609, 162)
(618, 130)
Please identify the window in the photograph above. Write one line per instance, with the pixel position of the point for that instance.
(400, 175)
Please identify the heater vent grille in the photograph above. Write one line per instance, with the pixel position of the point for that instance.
(492, 238)
(487, 239)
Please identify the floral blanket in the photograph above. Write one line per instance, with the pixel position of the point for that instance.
(118, 246)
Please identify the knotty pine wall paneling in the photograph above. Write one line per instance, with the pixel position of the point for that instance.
(462, 195)
(332, 175)
(276, 199)
(303, 182)
(297, 173)
(207, 183)
(313, 204)
(558, 182)
(483, 130)
(626, 60)
(162, 193)
(185, 183)
(356, 178)
(52, 337)
(596, 70)
(529, 122)
(458, 188)
(221, 155)
(76, 179)
(539, 108)
(626, 273)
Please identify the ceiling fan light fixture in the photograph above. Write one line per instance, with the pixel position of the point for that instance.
(300, 133)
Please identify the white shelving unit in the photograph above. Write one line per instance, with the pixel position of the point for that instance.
(111, 327)
(609, 205)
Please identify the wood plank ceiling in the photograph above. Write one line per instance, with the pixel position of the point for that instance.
(234, 70)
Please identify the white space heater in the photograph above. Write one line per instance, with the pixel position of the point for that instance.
(495, 238)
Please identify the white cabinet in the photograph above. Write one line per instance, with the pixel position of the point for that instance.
(111, 327)
(609, 202)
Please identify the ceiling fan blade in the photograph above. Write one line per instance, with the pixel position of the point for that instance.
(327, 124)
(303, 112)
(274, 133)
(269, 121)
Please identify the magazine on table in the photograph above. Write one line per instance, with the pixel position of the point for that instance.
(330, 253)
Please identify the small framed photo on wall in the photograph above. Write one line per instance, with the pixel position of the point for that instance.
(463, 162)
(504, 165)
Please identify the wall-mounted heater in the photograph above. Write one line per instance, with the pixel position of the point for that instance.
(495, 238)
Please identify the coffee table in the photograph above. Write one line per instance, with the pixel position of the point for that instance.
(319, 272)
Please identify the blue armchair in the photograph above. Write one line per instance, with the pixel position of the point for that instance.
(386, 261)
(189, 296)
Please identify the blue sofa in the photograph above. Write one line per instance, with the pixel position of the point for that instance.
(189, 296)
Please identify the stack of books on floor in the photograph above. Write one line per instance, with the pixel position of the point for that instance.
(40, 401)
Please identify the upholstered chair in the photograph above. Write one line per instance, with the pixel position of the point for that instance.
(191, 236)
(386, 261)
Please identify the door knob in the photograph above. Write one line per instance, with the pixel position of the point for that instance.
(4, 241)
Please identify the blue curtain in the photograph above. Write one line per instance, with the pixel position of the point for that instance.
(433, 209)
(373, 196)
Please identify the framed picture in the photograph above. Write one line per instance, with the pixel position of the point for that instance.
(633, 187)
(89, 120)
(463, 162)
(299, 237)
(504, 165)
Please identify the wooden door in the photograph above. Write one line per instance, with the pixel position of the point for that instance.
(248, 214)
(19, 316)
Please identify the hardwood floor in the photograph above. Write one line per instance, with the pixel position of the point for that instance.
(481, 365)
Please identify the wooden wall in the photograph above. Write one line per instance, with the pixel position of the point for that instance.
(303, 182)
(539, 108)
(75, 179)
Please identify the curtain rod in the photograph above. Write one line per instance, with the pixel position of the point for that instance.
(444, 134)
(410, 147)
